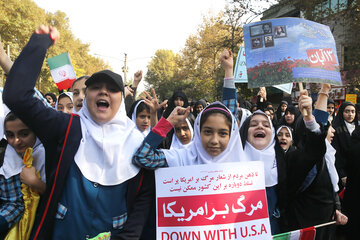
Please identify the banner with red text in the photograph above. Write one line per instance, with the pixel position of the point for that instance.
(286, 50)
(212, 202)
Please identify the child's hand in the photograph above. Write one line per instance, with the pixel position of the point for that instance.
(227, 62)
(137, 78)
(52, 31)
(28, 176)
(178, 115)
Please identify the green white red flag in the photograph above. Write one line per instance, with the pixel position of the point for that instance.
(62, 71)
(302, 234)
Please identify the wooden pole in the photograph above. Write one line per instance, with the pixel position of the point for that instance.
(324, 224)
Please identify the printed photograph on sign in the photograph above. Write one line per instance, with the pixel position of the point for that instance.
(269, 41)
(280, 31)
(293, 50)
(256, 43)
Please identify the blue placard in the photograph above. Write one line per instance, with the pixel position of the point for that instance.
(287, 50)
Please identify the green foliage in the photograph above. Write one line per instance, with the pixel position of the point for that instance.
(19, 19)
(196, 69)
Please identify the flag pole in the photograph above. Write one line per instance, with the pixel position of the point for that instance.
(324, 224)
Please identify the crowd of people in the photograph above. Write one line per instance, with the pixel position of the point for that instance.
(96, 148)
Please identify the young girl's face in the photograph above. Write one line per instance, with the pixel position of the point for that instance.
(143, 120)
(103, 101)
(183, 132)
(259, 133)
(349, 114)
(19, 136)
(65, 105)
(215, 134)
(284, 138)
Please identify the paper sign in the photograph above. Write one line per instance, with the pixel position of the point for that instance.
(212, 201)
(337, 93)
(240, 74)
(285, 50)
(287, 87)
(351, 98)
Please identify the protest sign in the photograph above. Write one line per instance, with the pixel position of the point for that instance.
(351, 98)
(337, 93)
(240, 73)
(287, 50)
(213, 201)
(62, 71)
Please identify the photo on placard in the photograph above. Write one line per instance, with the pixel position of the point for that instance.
(256, 30)
(267, 28)
(256, 43)
(280, 31)
(269, 41)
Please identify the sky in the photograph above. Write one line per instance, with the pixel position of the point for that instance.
(137, 28)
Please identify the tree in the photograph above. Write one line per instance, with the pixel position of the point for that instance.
(18, 20)
(162, 69)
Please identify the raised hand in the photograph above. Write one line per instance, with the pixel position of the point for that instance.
(52, 31)
(137, 78)
(262, 94)
(227, 62)
(153, 102)
(128, 91)
(305, 105)
(178, 115)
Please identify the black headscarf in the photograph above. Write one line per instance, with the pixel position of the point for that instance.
(339, 119)
(171, 104)
(201, 102)
(293, 110)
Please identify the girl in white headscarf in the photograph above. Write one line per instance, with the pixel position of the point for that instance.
(13, 171)
(216, 139)
(92, 185)
(65, 103)
(140, 115)
(183, 134)
(260, 144)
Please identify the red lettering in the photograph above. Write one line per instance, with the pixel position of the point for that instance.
(210, 235)
(253, 229)
(232, 233)
(223, 232)
(197, 236)
(263, 229)
(174, 233)
(241, 232)
(166, 235)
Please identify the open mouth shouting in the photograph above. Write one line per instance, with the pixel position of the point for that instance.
(102, 105)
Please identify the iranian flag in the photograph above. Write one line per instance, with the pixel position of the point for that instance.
(62, 71)
(302, 234)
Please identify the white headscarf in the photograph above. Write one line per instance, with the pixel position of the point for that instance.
(69, 94)
(133, 118)
(105, 152)
(176, 143)
(4, 110)
(266, 155)
(330, 163)
(14, 163)
(196, 154)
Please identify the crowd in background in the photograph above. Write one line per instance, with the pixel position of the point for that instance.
(96, 146)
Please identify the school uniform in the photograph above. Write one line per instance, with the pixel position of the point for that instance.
(69, 145)
(279, 177)
(11, 197)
